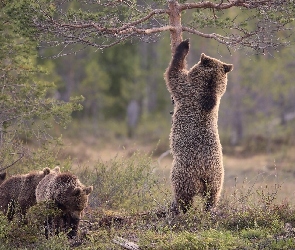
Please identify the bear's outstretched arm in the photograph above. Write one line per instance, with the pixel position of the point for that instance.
(178, 61)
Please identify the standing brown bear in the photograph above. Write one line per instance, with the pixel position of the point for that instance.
(69, 195)
(197, 167)
(18, 191)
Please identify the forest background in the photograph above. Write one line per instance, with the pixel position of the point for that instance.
(100, 105)
(118, 103)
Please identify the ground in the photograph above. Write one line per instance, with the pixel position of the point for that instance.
(253, 212)
(273, 170)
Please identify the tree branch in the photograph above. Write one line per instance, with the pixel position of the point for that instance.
(222, 6)
(219, 38)
(121, 30)
(21, 156)
(103, 31)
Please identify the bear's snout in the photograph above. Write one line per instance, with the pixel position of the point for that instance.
(76, 215)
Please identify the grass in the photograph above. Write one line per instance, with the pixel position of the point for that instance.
(131, 201)
(132, 196)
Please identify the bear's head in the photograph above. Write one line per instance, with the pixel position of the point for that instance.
(46, 171)
(210, 75)
(33, 178)
(55, 170)
(72, 195)
(80, 200)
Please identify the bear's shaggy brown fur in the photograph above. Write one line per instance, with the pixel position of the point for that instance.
(69, 194)
(195, 146)
(2, 177)
(19, 191)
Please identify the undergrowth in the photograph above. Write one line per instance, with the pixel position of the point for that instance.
(129, 202)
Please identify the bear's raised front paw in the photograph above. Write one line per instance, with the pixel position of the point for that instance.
(183, 46)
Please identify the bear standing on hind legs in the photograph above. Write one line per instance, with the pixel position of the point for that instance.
(197, 167)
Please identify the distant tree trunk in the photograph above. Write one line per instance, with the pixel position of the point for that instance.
(71, 75)
(133, 112)
(237, 123)
(282, 107)
(148, 64)
(1, 134)
(69, 80)
(236, 95)
(152, 85)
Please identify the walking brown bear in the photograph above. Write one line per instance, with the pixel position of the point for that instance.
(69, 195)
(18, 192)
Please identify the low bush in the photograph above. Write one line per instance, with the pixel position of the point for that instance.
(126, 184)
(129, 202)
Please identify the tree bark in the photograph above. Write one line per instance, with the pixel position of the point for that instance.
(175, 23)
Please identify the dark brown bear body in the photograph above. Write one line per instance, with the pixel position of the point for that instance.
(195, 146)
(69, 194)
(2, 177)
(19, 191)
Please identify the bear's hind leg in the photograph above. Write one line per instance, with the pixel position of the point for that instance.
(211, 194)
(184, 193)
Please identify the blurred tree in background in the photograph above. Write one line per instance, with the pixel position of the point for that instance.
(130, 74)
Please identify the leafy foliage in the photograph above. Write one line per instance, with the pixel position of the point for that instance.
(19, 235)
(102, 24)
(127, 185)
(123, 205)
(27, 103)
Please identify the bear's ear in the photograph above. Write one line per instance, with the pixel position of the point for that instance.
(228, 67)
(77, 191)
(205, 60)
(56, 169)
(88, 190)
(2, 176)
(46, 171)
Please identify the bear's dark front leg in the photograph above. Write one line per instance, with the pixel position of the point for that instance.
(10, 210)
(178, 60)
(49, 227)
(74, 225)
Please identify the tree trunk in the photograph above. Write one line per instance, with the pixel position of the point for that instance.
(236, 95)
(175, 22)
(133, 112)
(152, 84)
(282, 109)
(149, 63)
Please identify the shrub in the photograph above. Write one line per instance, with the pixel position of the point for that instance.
(125, 184)
(28, 233)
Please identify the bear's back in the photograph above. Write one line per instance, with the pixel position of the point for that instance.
(54, 184)
(43, 188)
(10, 188)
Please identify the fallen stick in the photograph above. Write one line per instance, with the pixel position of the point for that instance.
(126, 244)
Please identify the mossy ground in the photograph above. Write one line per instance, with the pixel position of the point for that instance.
(131, 202)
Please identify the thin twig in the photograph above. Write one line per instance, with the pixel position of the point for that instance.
(21, 156)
